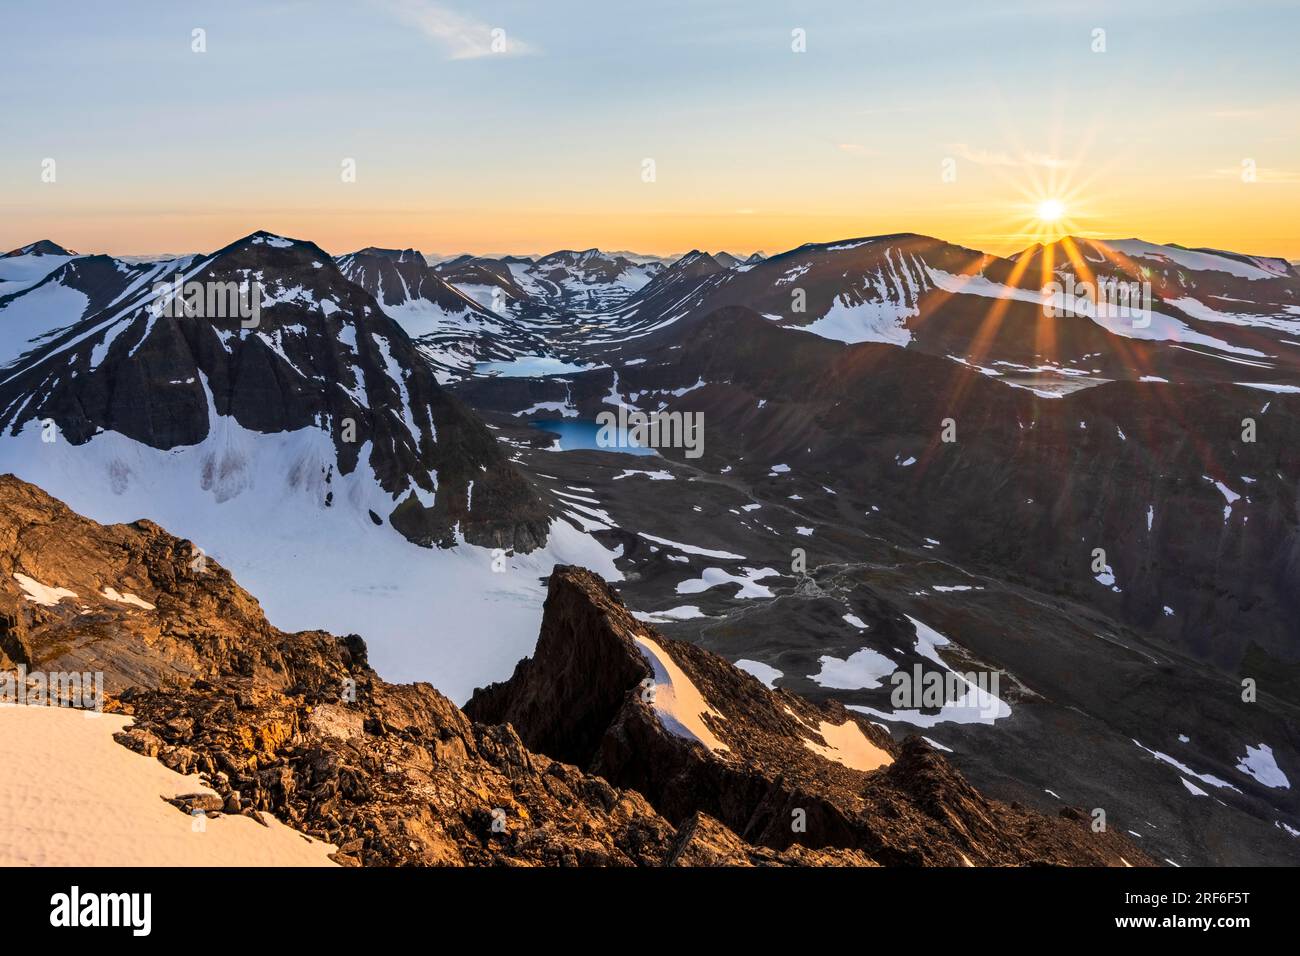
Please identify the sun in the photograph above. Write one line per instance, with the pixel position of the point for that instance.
(1050, 210)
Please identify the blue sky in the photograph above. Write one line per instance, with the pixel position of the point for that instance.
(159, 148)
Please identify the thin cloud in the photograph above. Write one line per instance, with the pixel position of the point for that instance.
(463, 37)
(985, 157)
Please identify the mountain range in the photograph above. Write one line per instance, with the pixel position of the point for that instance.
(912, 458)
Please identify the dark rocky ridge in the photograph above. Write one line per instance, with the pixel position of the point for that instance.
(899, 272)
(300, 726)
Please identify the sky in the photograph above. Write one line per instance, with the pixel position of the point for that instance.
(1178, 123)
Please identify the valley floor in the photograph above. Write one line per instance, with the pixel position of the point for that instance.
(1089, 712)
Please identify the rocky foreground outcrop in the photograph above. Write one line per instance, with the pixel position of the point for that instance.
(611, 746)
(775, 769)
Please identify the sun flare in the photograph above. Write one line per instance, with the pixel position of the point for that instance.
(1050, 210)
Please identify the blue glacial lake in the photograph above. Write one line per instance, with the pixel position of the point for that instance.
(531, 366)
(577, 433)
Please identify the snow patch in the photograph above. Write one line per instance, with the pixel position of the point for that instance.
(678, 703)
(114, 595)
(713, 577)
(848, 745)
(861, 670)
(766, 673)
(1260, 763)
(42, 594)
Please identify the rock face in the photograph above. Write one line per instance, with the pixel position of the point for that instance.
(300, 726)
(320, 355)
(696, 735)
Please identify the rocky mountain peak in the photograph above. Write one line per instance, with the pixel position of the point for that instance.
(279, 251)
(397, 255)
(42, 247)
(694, 265)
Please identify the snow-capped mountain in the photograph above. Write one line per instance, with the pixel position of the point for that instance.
(489, 282)
(1208, 285)
(401, 280)
(27, 265)
(307, 444)
(580, 283)
(76, 288)
(319, 357)
(583, 282)
(1206, 316)
(454, 331)
(41, 247)
(676, 291)
(1173, 258)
